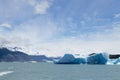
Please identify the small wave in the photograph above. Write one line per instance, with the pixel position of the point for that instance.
(5, 73)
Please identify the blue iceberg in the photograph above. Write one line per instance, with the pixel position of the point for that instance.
(99, 58)
(117, 61)
(70, 59)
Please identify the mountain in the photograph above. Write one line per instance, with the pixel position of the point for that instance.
(10, 56)
(7, 55)
(40, 58)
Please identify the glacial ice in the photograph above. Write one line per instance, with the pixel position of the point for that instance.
(70, 59)
(110, 62)
(117, 61)
(98, 58)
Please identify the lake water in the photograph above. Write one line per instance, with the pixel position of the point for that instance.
(49, 71)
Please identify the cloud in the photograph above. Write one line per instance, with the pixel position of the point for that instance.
(38, 35)
(30, 34)
(17, 11)
(5, 25)
(105, 41)
(117, 15)
(31, 31)
(81, 30)
(42, 7)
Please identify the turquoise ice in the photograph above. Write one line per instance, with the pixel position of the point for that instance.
(98, 58)
(70, 59)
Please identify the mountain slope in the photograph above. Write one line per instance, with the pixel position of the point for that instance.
(17, 56)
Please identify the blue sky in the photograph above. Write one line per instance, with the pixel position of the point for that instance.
(55, 27)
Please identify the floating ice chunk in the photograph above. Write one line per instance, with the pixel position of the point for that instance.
(117, 61)
(81, 60)
(70, 59)
(98, 58)
(5, 73)
(109, 62)
(66, 59)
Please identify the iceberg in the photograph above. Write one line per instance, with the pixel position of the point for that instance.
(98, 58)
(70, 59)
(110, 62)
(81, 60)
(117, 61)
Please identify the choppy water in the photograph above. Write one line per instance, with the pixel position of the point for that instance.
(49, 71)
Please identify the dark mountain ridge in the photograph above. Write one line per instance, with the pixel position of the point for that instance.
(7, 55)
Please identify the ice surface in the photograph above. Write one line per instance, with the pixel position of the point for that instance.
(70, 59)
(109, 62)
(117, 61)
(98, 58)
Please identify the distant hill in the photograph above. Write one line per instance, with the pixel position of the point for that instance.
(7, 55)
(11, 56)
(40, 58)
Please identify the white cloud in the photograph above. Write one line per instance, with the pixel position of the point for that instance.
(117, 15)
(106, 41)
(20, 10)
(42, 7)
(34, 36)
(37, 34)
(30, 34)
(6, 25)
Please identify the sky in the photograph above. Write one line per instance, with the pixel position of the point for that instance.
(56, 27)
